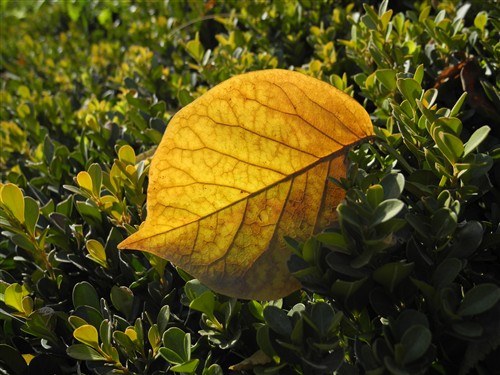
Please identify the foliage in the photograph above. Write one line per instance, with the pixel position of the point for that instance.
(405, 282)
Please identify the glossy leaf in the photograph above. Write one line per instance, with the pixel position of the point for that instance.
(84, 294)
(122, 299)
(391, 274)
(186, 367)
(12, 198)
(240, 168)
(450, 145)
(88, 335)
(14, 295)
(415, 341)
(31, 214)
(476, 139)
(386, 211)
(83, 352)
(97, 252)
(177, 345)
(479, 299)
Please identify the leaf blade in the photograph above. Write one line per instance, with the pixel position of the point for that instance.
(235, 172)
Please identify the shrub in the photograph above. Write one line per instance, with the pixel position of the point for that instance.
(405, 282)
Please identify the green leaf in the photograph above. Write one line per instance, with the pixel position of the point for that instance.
(125, 343)
(410, 89)
(479, 299)
(83, 352)
(386, 211)
(163, 318)
(324, 318)
(88, 335)
(452, 124)
(27, 305)
(105, 335)
(154, 338)
(419, 74)
(12, 198)
(264, 340)
(31, 214)
(204, 303)
(105, 17)
(332, 239)
(195, 49)
(14, 295)
(178, 342)
(468, 329)
(476, 139)
(122, 299)
(370, 19)
(387, 77)
(97, 252)
(481, 20)
(278, 320)
(375, 195)
(184, 97)
(391, 274)
(171, 356)
(90, 213)
(126, 154)
(451, 146)
(415, 342)
(393, 185)
(76, 321)
(84, 294)
(443, 223)
(12, 359)
(188, 367)
(95, 173)
(446, 272)
(346, 289)
(90, 314)
(458, 105)
(23, 241)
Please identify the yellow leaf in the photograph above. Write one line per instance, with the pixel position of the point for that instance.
(257, 358)
(240, 168)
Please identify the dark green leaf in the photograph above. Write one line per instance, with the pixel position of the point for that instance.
(83, 352)
(479, 299)
(122, 299)
(84, 294)
(391, 274)
(278, 320)
(416, 341)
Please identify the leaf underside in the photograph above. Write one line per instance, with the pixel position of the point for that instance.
(243, 166)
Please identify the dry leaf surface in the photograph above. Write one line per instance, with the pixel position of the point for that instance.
(243, 166)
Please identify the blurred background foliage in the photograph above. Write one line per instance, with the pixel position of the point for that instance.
(406, 282)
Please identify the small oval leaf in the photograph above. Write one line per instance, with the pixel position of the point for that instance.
(88, 335)
(84, 353)
(479, 299)
(12, 198)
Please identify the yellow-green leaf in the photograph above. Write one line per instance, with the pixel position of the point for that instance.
(88, 335)
(84, 181)
(12, 198)
(13, 296)
(97, 252)
(126, 154)
(243, 166)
